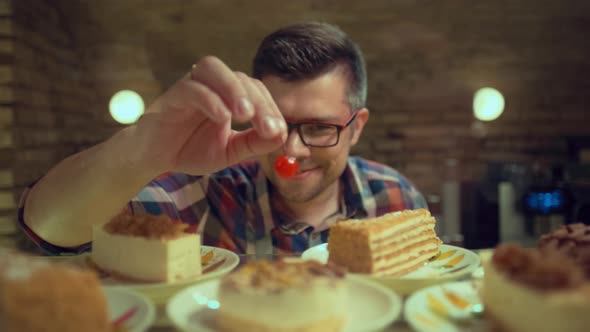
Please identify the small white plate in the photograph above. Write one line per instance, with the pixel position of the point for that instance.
(121, 300)
(452, 263)
(223, 261)
(371, 306)
(452, 301)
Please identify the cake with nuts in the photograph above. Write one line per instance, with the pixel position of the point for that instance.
(546, 288)
(39, 295)
(281, 296)
(390, 245)
(146, 248)
(573, 241)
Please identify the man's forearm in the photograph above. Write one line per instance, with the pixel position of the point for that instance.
(86, 189)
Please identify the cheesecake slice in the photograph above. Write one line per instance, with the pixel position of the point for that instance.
(146, 248)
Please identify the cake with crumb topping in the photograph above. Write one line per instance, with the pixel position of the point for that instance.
(546, 288)
(393, 244)
(146, 248)
(39, 295)
(282, 296)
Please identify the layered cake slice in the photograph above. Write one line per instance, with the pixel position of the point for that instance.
(146, 248)
(40, 296)
(546, 288)
(280, 296)
(393, 244)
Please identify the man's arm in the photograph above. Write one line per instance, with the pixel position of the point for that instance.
(85, 189)
(187, 129)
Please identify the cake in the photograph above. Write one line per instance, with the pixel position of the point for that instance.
(38, 295)
(546, 288)
(572, 240)
(281, 296)
(391, 245)
(146, 248)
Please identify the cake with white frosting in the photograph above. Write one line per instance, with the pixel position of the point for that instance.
(390, 245)
(39, 295)
(280, 296)
(146, 248)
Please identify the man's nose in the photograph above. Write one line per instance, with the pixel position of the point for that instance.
(294, 146)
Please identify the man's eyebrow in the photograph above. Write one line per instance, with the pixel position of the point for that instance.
(329, 120)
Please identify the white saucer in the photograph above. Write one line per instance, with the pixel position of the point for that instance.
(451, 264)
(372, 307)
(121, 300)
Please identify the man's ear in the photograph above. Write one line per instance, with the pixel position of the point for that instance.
(362, 116)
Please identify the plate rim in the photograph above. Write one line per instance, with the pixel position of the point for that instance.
(150, 318)
(392, 315)
(469, 269)
(414, 296)
(233, 258)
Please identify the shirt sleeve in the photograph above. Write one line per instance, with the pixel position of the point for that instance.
(46, 247)
(153, 199)
(227, 221)
(389, 190)
(213, 205)
(413, 198)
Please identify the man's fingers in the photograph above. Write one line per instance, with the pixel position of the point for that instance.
(213, 73)
(246, 98)
(273, 107)
(248, 143)
(265, 119)
(198, 97)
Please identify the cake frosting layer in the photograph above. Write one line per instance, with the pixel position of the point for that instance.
(536, 289)
(516, 307)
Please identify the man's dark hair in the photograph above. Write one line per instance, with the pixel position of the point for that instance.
(307, 50)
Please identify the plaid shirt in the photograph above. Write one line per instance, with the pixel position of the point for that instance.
(233, 208)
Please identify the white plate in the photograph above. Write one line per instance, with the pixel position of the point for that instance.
(371, 306)
(452, 316)
(463, 261)
(223, 261)
(122, 300)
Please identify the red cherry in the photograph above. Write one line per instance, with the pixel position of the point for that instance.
(286, 166)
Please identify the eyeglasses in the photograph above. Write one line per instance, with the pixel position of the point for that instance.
(320, 135)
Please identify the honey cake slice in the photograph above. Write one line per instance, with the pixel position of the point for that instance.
(41, 295)
(393, 244)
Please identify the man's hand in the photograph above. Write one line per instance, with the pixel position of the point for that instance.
(188, 128)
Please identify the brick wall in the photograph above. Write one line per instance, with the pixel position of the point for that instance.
(425, 61)
(50, 107)
(61, 60)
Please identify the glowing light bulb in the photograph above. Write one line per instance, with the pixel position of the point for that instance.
(126, 106)
(488, 104)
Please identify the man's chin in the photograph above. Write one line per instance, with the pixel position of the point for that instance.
(296, 195)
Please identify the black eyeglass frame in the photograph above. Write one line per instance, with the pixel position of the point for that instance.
(339, 129)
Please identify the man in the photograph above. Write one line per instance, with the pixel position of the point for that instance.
(306, 100)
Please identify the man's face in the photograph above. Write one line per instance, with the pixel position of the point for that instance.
(320, 100)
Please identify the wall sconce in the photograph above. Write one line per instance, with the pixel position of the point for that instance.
(126, 106)
(488, 104)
